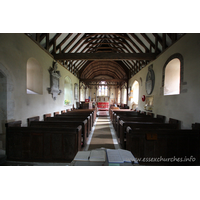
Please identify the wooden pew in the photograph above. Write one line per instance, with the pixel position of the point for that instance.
(67, 119)
(151, 114)
(55, 113)
(112, 111)
(130, 118)
(30, 119)
(196, 126)
(77, 118)
(140, 125)
(175, 121)
(165, 144)
(92, 111)
(119, 110)
(64, 124)
(46, 115)
(43, 144)
(162, 117)
(124, 113)
(13, 124)
(82, 114)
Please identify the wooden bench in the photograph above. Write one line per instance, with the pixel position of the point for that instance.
(92, 111)
(82, 114)
(71, 119)
(46, 115)
(31, 119)
(56, 113)
(175, 121)
(80, 117)
(13, 124)
(128, 114)
(64, 124)
(112, 111)
(136, 118)
(140, 125)
(43, 144)
(196, 126)
(164, 144)
(161, 117)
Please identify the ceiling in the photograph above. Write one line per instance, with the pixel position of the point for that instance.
(112, 57)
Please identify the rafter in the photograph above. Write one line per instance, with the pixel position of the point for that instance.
(105, 56)
(63, 41)
(70, 43)
(99, 80)
(139, 41)
(132, 51)
(148, 40)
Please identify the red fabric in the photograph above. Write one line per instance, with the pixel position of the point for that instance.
(103, 105)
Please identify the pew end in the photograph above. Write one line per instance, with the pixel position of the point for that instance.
(30, 119)
(46, 115)
(175, 121)
(55, 113)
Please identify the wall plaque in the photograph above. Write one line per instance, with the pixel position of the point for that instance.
(150, 80)
(54, 81)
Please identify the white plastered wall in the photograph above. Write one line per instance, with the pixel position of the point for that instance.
(184, 107)
(15, 50)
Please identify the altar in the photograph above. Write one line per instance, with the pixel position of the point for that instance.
(103, 105)
(103, 102)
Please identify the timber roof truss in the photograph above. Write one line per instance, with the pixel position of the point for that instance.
(116, 56)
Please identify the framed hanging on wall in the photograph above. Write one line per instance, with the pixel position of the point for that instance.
(54, 81)
(150, 80)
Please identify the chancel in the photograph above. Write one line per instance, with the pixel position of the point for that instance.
(66, 93)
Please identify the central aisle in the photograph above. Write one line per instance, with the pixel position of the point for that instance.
(102, 135)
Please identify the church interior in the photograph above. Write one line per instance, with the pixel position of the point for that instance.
(62, 93)
(99, 100)
(153, 74)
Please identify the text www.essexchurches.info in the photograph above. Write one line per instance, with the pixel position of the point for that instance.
(172, 159)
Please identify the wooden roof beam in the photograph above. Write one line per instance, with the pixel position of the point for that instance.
(63, 41)
(71, 42)
(105, 56)
(148, 40)
(139, 41)
(107, 80)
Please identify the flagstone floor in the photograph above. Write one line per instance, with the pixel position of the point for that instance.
(103, 135)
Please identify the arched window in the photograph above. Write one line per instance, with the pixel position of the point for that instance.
(34, 76)
(103, 89)
(68, 90)
(87, 93)
(135, 92)
(124, 92)
(118, 99)
(173, 75)
(82, 94)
